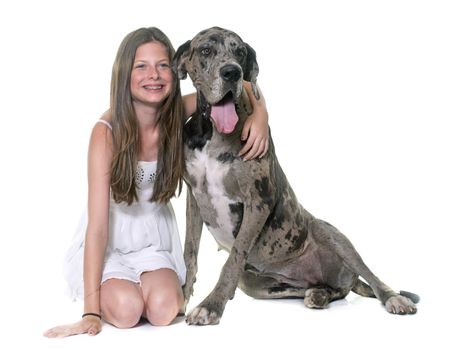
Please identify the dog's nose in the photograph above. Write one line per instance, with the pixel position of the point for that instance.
(230, 72)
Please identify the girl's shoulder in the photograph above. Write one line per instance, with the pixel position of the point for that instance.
(105, 119)
(101, 135)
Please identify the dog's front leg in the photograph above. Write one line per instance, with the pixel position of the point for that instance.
(192, 240)
(211, 308)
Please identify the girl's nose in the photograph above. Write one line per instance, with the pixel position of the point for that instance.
(153, 73)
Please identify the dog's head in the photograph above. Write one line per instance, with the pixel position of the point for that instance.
(218, 61)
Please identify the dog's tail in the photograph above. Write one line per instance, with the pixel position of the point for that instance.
(364, 290)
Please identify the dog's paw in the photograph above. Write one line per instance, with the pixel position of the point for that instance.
(400, 305)
(316, 298)
(201, 316)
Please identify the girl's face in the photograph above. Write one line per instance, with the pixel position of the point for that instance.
(151, 78)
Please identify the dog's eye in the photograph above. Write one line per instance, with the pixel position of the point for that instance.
(205, 51)
(241, 52)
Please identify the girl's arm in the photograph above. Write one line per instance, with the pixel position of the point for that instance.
(255, 130)
(189, 101)
(99, 159)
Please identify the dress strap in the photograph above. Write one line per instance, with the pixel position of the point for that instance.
(105, 123)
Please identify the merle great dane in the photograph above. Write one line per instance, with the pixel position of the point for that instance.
(276, 248)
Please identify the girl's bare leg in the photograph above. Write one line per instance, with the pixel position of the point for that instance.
(121, 302)
(162, 296)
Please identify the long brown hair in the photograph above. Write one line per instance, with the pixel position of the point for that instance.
(170, 161)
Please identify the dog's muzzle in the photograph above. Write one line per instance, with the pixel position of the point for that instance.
(223, 113)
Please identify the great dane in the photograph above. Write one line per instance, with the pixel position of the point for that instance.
(276, 248)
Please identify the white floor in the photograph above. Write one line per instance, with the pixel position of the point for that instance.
(259, 324)
(353, 323)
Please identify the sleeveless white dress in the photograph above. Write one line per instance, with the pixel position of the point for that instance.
(142, 237)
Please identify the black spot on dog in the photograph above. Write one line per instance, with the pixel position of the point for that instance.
(288, 235)
(277, 216)
(276, 245)
(226, 157)
(237, 210)
(197, 131)
(282, 287)
(298, 239)
(264, 190)
(276, 290)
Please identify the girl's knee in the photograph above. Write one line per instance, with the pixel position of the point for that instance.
(127, 316)
(123, 311)
(162, 309)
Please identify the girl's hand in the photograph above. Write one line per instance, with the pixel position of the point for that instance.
(255, 132)
(89, 324)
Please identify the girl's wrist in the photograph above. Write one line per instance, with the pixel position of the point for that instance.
(92, 314)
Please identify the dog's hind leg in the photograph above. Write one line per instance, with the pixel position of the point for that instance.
(266, 287)
(331, 238)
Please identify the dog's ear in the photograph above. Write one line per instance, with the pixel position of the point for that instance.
(179, 60)
(251, 69)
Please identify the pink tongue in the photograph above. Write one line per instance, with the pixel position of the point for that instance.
(224, 115)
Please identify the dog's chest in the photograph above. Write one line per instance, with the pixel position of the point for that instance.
(219, 210)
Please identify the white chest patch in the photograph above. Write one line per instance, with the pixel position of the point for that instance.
(211, 196)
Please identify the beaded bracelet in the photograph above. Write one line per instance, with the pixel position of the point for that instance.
(91, 314)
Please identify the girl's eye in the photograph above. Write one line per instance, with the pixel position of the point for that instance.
(139, 66)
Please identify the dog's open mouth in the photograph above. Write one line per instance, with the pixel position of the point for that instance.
(224, 115)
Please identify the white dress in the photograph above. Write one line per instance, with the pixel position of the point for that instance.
(142, 237)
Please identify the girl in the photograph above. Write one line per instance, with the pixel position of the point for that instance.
(129, 264)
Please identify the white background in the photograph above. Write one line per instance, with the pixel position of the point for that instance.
(359, 97)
